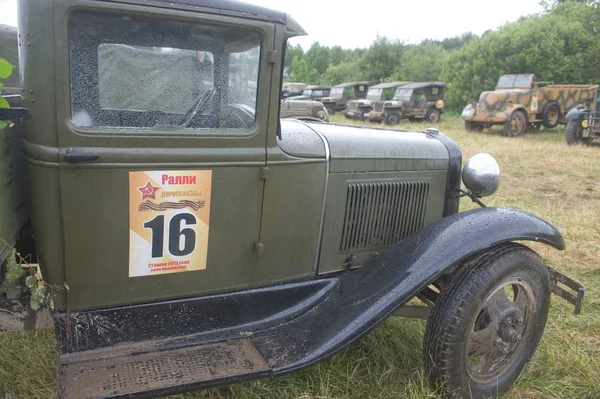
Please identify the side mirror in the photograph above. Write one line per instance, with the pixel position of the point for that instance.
(481, 175)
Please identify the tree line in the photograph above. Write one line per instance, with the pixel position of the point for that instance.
(561, 45)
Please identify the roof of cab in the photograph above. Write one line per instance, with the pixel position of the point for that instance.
(233, 8)
(389, 85)
(250, 10)
(418, 85)
(352, 84)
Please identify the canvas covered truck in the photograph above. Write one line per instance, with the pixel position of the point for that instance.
(519, 101)
(358, 109)
(189, 237)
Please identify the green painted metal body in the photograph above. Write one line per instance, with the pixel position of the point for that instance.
(279, 188)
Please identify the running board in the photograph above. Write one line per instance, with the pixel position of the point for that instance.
(106, 374)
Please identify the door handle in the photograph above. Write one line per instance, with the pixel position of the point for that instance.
(72, 155)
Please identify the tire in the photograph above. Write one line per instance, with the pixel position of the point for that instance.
(515, 125)
(392, 119)
(432, 115)
(473, 127)
(474, 301)
(574, 132)
(551, 115)
(362, 116)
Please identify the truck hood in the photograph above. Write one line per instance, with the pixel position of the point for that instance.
(358, 149)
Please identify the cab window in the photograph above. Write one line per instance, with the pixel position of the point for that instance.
(142, 73)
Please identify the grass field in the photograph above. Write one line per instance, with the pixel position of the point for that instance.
(540, 174)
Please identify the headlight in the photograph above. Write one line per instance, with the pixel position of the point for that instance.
(481, 175)
(584, 124)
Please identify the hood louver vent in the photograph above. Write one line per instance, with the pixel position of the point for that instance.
(383, 213)
(378, 106)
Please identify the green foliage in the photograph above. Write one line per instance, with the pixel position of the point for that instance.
(16, 271)
(381, 59)
(343, 72)
(5, 72)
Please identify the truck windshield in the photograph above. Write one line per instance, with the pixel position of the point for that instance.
(515, 81)
(403, 94)
(149, 73)
(374, 94)
(337, 92)
(306, 92)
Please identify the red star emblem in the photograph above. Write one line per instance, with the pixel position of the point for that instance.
(148, 190)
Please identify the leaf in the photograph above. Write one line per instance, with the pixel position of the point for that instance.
(14, 271)
(5, 68)
(4, 103)
(3, 124)
(31, 282)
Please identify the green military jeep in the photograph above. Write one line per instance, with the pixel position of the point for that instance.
(378, 94)
(340, 95)
(193, 238)
(413, 101)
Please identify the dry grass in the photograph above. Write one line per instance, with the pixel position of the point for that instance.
(541, 174)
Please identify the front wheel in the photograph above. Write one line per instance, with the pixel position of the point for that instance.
(432, 115)
(392, 119)
(574, 132)
(473, 127)
(515, 125)
(487, 322)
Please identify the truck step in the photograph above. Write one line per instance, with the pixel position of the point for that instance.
(125, 373)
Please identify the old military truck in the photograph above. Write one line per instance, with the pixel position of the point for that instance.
(358, 109)
(583, 123)
(340, 95)
(303, 109)
(292, 89)
(519, 101)
(413, 101)
(314, 93)
(198, 239)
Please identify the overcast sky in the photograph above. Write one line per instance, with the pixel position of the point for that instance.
(356, 23)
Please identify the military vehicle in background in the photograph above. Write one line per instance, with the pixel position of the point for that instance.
(358, 109)
(292, 89)
(519, 101)
(340, 95)
(583, 123)
(314, 93)
(189, 237)
(303, 109)
(412, 101)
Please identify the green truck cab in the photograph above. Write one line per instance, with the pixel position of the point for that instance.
(193, 238)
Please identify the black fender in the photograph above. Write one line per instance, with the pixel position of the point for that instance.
(291, 326)
(364, 297)
(577, 113)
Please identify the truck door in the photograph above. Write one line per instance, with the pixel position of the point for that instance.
(161, 133)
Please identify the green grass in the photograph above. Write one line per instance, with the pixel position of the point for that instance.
(540, 174)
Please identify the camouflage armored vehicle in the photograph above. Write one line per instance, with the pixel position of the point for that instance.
(520, 101)
(292, 89)
(413, 101)
(358, 109)
(192, 238)
(314, 93)
(340, 95)
(583, 123)
(303, 109)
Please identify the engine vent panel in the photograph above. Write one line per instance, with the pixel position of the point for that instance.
(380, 214)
